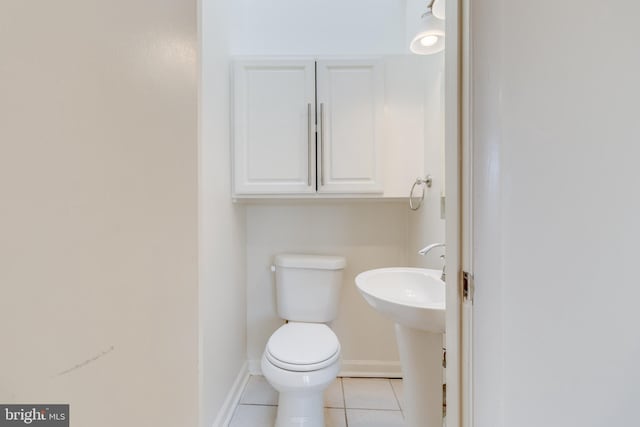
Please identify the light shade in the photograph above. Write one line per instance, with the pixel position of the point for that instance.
(438, 8)
(430, 36)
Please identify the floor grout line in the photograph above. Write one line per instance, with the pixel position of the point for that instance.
(396, 396)
(344, 403)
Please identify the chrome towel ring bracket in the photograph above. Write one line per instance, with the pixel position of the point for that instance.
(422, 182)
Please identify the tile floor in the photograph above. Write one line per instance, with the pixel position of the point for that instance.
(349, 402)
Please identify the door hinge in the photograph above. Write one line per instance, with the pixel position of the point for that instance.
(467, 286)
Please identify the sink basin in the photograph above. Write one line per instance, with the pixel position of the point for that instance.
(412, 297)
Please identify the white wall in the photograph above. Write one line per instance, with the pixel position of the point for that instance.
(98, 224)
(368, 234)
(426, 225)
(318, 27)
(405, 83)
(222, 229)
(556, 160)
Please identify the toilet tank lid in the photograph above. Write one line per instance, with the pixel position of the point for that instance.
(321, 262)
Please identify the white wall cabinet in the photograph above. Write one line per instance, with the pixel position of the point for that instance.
(351, 109)
(302, 127)
(274, 113)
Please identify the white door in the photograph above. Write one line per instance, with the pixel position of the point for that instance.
(274, 126)
(556, 213)
(350, 117)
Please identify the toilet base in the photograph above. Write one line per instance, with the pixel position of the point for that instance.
(296, 410)
(301, 400)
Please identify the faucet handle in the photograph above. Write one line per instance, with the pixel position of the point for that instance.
(426, 249)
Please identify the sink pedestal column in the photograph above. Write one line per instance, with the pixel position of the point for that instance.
(421, 360)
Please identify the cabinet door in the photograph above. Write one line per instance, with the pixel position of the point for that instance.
(274, 126)
(350, 103)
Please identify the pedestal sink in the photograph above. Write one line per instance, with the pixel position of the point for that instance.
(415, 299)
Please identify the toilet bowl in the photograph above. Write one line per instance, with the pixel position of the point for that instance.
(300, 361)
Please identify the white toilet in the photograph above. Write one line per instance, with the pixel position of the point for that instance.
(302, 357)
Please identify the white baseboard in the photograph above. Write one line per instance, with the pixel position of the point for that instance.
(233, 397)
(370, 369)
(353, 368)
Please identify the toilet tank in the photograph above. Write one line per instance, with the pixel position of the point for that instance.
(308, 286)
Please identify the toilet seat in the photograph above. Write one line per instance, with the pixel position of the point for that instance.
(303, 347)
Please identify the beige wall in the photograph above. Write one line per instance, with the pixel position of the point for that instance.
(98, 210)
(368, 234)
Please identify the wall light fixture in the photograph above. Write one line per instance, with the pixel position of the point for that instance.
(430, 36)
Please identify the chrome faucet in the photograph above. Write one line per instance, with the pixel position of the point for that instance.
(427, 249)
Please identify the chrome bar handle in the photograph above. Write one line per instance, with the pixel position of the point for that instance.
(321, 164)
(309, 148)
